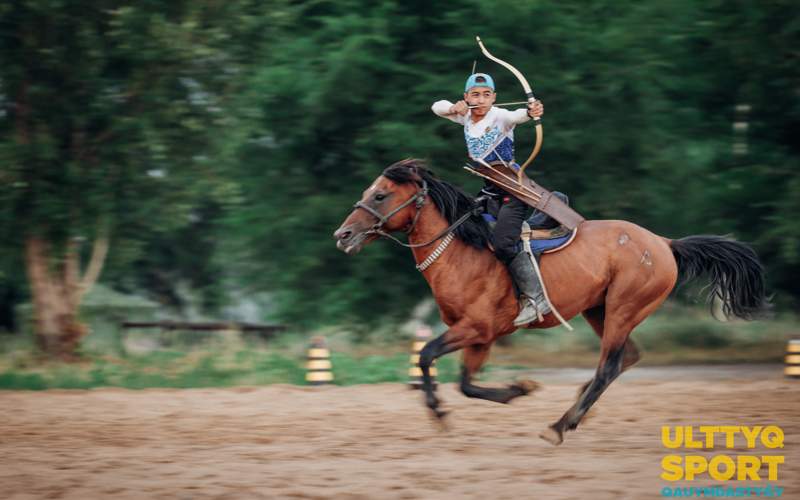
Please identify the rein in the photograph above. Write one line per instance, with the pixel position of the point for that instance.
(419, 200)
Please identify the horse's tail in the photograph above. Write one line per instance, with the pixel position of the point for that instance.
(737, 276)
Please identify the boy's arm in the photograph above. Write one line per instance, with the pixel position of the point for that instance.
(512, 118)
(442, 108)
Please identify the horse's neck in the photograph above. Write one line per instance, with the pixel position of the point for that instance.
(430, 224)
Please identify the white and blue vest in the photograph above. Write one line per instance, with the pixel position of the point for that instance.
(492, 138)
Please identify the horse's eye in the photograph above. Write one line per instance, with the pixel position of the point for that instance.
(380, 197)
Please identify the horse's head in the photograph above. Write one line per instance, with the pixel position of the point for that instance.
(386, 206)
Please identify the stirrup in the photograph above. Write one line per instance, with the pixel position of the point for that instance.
(528, 303)
(542, 306)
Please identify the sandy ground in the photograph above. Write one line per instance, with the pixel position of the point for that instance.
(376, 441)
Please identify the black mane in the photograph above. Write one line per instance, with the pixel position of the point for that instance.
(451, 200)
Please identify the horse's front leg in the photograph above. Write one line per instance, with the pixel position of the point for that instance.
(474, 357)
(451, 340)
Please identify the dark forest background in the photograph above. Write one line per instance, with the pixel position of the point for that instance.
(215, 146)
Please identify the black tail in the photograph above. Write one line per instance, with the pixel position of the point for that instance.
(737, 276)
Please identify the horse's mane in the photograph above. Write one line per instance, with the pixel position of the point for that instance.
(451, 200)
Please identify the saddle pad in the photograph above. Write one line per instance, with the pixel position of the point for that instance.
(537, 220)
(540, 246)
(552, 244)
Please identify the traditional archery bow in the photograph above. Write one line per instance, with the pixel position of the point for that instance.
(529, 94)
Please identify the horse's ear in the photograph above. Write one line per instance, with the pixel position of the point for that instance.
(414, 170)
(418, 177)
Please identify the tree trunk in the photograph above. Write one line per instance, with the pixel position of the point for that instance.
(57, 291)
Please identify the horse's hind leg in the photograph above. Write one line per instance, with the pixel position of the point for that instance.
(474, 357)
(630, 354)
(609, 368)
(596, 317)
(621, 317)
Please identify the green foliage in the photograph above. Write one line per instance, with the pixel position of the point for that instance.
(22, 381)
(110, 122)
(640, 103)
(207, 369)
(702, 336)
(222, 143)
(348, 370)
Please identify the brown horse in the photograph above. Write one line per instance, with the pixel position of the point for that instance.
(614, 272)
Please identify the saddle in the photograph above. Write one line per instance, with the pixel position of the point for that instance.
(545, 233)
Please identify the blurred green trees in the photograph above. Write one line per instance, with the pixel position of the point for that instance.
(110, 116)
(641, 123)
(220, 144)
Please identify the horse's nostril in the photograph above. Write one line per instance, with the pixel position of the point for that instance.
(345, 235)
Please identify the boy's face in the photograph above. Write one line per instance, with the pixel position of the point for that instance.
(483, 97)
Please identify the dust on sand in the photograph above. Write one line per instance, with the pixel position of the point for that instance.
(376, 441)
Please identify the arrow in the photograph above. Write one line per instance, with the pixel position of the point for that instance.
(501, 104)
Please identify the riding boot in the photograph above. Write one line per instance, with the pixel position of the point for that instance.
(531, 296)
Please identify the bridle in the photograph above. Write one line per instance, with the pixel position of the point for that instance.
(419, 201)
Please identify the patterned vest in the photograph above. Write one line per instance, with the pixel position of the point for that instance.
(492, 145)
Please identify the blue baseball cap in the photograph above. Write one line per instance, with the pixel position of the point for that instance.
(479, 80)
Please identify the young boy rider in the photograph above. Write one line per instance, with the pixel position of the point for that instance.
(489, 133)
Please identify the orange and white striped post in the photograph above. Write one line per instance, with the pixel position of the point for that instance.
(421, 337)
(792, 368)
(318, 367)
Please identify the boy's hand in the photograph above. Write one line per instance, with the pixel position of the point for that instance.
(459, 108)
(535, 109)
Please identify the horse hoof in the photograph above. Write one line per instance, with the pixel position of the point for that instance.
(552, 436)
(527, 386)
(439, 419)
